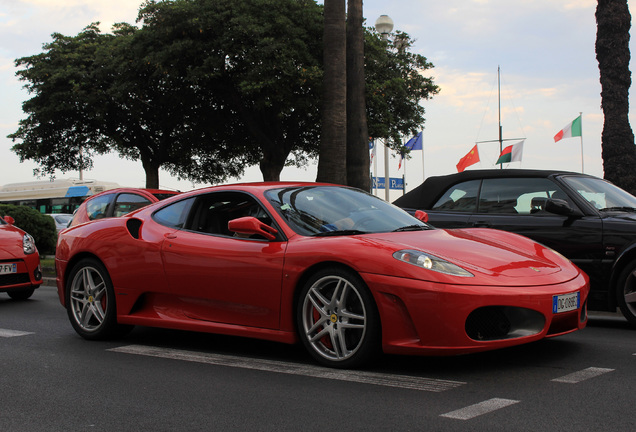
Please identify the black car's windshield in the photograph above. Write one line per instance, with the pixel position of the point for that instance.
(333, 210)
(602, 194)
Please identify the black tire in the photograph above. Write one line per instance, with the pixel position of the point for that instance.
(90, 302)
(22, 294)
(337, 319)
(626, 292)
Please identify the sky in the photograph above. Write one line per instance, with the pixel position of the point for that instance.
(544, 49)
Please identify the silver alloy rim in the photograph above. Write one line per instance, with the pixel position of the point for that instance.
(334, 318)
(89, 299)
(629, 292)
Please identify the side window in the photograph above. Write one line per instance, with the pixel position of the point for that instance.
(461, 197)
(127, 202)
(517, 195)
(212, 212)
(97, 207)
(174, 215)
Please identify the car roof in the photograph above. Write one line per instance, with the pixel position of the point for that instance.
(426, 194)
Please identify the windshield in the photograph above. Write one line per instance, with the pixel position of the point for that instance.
(602, 194)
(333, 210)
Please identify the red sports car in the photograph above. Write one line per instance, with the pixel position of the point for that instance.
(340, 270)
(117, 202)
(20, 272)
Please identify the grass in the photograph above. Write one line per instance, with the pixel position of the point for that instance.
(47, 262)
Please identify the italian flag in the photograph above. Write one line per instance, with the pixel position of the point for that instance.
(512, 153)
(574, 129)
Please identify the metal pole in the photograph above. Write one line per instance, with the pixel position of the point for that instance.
(582, 168)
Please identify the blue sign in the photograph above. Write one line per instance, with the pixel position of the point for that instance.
(395, 183)
(77, 191)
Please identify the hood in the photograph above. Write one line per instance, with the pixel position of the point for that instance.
(501, 257)
(10, 242)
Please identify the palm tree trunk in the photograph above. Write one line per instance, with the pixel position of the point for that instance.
(332, 154)
(612, 52)
(357, 129)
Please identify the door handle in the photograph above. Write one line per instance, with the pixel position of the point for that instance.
(482, 224)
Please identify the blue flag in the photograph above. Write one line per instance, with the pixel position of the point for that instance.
(414, 143)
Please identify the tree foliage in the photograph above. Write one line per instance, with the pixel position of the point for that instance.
(612, 52)
(203, 89)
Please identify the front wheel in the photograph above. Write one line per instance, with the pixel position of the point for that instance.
(90, 301)
(337, 319)
(22, 294)
(626, 292)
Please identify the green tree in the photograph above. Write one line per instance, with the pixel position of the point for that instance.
(612, 53)
(203, 89)
(395, 87)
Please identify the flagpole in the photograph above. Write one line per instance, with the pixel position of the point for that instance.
(582, 167)
(404, 178)
(375, 165)
(423, 176)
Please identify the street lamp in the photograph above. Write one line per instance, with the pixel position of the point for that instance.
(384, 26)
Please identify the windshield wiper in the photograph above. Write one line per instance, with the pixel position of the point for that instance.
(339, 233)
(411, 228)
(625, 209)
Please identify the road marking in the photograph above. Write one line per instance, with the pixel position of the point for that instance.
(13, 333)
(388, 380)
(582, 375)
(479, 409)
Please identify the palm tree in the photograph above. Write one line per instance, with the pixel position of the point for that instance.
(332, 153)
(357, 130)
(612, 52)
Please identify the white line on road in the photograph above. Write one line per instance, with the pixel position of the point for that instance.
(479, 409)
(13, 333)
(582, 375)
(388, 380)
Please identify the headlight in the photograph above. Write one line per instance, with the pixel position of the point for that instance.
(28, 244)
(430, 262)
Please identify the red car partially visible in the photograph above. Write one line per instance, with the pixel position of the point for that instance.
(20, 272)
(117, 202)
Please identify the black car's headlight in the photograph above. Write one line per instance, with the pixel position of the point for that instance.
(28, 244)
(430, 262)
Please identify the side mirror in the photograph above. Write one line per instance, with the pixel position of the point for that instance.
(560, 207)
(421, 215)
(250, 225)
(8, 219)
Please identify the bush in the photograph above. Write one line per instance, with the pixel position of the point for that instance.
(40, 226)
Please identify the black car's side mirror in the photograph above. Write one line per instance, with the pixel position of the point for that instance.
(560, 207)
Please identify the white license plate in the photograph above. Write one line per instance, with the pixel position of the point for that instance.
(566, 302)
(8, 268)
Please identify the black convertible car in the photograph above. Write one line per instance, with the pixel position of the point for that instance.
(589, 220)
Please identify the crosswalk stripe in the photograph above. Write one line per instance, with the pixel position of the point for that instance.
(388, 380)
(481, 408)
(582, 375)
(13, 333)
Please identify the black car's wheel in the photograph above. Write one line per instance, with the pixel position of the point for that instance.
(22, 294)
(337, 319)
(626, 292)
(90, 301)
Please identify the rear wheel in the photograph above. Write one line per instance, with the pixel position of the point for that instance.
(90, 301)
(337, 319)
(626, 292)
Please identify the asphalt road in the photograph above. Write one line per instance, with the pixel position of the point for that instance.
(164, 380)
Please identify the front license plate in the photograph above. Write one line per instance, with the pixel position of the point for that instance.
(8, 268)
(566, 302)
